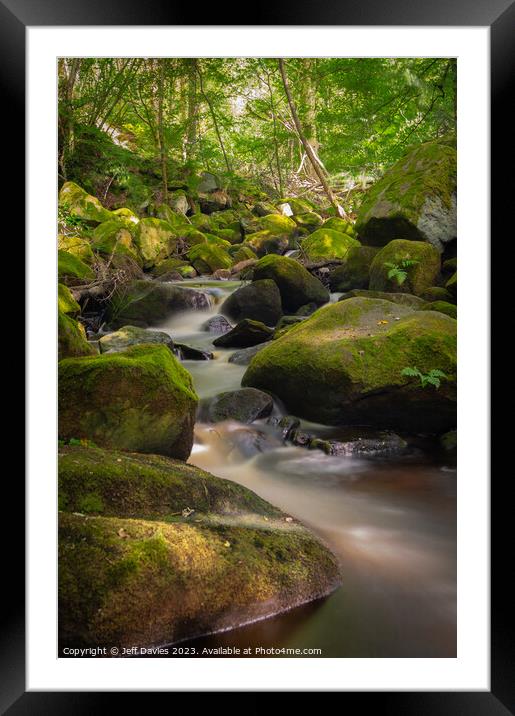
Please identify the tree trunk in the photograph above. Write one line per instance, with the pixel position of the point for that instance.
(191, 122)
(160, 126)
(307, 147)
(213, 115)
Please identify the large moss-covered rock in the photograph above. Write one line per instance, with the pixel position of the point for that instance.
(71, 338)
(326, 244)
(310, 220)
(296, 285)
(168, 265)
(294, 206)
(437, 293)
(420, 274)
(155, 239)
(265, 242)
(443, 307)
(260, 301)
(240, 252)
(133, 571)
(402, 299)
(342, 225)
(452, 285)
(143, 303)
(128, 336)
(354, 272)
(70, 267)
(81, 204)
(278, 225)
(141, 399)
(176, 219)
(127, 214)
(344, 365)
(415, 199)
(77, 246)
(116, 236)
(209, 257)
(65, 301)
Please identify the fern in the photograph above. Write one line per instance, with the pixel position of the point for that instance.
(431, 378)
(399, 271)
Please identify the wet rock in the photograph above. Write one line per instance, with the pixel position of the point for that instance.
(419, 275)
(143, 529)
(132, 336)
(244, 356)
(259, 301)
(402, 299)
(296, 285)
(301, 438)
(449, 441)
(249, 441)
(185, 352)
(245, 406)
(246, 333)
(217, 324)
(306, 310)
(383, 444)
(222, 274)
(286, 425)
(354, 272)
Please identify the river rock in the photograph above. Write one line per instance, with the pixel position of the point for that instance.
(415, 199)
(245, 355)
(153, 551)
(142, 303)
(71, 338)
(402, 299)
(344, 365)
(155, 239)
(436, 293)
(209, 257)
(296, 285)
(384, 444)
(260, 301)
(82, 205)
(66, 302)
(141, 399)
(450, 309)
(217, 324)
(419, 276)
(327, 244)
(184, 352)
(223, 274)
(77, 246)
(245, 406)
(264, 242)
(246, 333)
(70, 268)
(354, 272)
(131, 336)
(178, 201)
(250, 441)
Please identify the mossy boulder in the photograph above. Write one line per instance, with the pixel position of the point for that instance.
(354, 272)
(264, 242)
(141, 400)
(450, 265)
(174, 218)
(155, 239)
(143, 303)
(244, 405)
(296, 285)
(278, 225)
(71, 338)
(402, 299)
(168, 265)
(186, 271)
(344, 365)
(310, 220)
(260, 300)
(452, 285)
(326, 244)
(244, 334)
(342, 225)
(209, 257)
(241, 252)
(77, 246)
(128, 336)
(127, 214)
(190, 236)
(179, 201)
(81, 204)
(420, 274)
(70, 267)
(415, 199)
(116, 236)
(449, 309)
(437, 293)
(294, 206)
(65, 301)
(136, 574)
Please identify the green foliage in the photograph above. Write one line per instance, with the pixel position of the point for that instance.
(398, 271)
(431, 378)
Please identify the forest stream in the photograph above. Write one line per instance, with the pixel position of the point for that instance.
(390, 521)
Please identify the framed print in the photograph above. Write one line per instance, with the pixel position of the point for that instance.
(242, 422)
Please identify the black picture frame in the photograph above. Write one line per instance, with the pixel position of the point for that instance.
(499, 15)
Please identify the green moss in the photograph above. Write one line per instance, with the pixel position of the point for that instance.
(167, 265)
(452, 285)
(344, 365)
(141, 399)
(278, 225)
(191, 236)
(437, 293)
(420, 275)
(341, 225)
(327, 244)
(174, 218)
(76, 246)
(155, 239)
(208, 257)
(71, 338)
(414, 200)
(296, 285)
(186, 271)
(127, 336)
(69, 266)
(443, 307)
(116, 236)
(65, 301)
(299, 206)
(81, 204)
(265, 242)
(354, 272)
(127, 214)
(242, 253)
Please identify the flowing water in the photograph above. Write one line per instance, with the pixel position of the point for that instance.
(391, 522)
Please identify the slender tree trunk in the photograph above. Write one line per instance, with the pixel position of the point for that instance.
(307, 147)
(213, 115)
(309, 96)
(160, 125)
(276, 144)
(191, 133)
